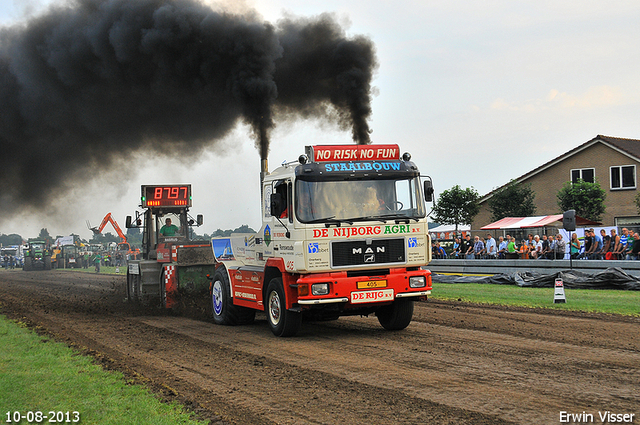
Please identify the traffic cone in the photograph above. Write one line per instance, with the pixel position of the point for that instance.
(558, 294)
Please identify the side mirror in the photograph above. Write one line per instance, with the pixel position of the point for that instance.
(569, 220)
(428, 190)
(199, 219)
(277, 204)
(128, 222)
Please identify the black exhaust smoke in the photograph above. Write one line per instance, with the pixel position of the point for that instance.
(93, 81)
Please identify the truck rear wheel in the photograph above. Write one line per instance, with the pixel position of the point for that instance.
(396, 316)
(224, 311)
(282, 322)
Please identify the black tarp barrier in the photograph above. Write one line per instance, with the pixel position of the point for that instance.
(611, 278)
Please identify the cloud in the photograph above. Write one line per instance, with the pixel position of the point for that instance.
(594, 98)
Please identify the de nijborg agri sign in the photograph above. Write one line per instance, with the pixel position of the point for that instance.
(347, 232)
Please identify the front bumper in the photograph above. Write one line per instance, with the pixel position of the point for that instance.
(363, 288)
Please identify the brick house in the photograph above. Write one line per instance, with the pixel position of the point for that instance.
(611, 161)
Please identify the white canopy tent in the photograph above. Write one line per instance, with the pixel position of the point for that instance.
(448, 231)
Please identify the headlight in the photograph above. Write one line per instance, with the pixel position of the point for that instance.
(417, 282)
(320, 289)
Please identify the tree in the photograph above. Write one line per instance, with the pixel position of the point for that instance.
(456, 206)
(12, 239)
(584, 197)
(513, 200)
(102, 238)
(242, 229)
(44, 234)
(132, 231)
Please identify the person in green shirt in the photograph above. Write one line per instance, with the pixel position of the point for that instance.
(169, 229)
(97, 259)
(632, 240)
(511, 246)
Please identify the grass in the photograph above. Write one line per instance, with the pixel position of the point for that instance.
(589, 300)
(38, 374)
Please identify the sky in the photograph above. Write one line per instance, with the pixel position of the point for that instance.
(478, 92)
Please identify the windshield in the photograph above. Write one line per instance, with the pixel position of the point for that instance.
(169, 224)
(358, 200)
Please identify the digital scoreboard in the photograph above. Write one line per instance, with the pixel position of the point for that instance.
(166, 196)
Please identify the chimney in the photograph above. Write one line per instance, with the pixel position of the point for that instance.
(264, 171)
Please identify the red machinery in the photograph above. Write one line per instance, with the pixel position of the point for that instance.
(122, 246)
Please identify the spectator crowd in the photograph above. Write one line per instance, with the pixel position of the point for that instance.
(594, 246)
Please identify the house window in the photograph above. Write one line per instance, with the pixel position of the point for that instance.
(623, 177)
(586, 174)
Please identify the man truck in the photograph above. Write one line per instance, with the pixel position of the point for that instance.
(344, 232)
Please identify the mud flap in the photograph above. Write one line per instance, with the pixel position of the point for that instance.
(170, 286)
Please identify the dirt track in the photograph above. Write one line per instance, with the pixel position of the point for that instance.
(455, 364)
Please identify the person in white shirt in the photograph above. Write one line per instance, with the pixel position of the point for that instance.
(490, 247)
(502, 247)
(536, 252)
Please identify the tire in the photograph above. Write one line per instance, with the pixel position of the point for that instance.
(47, 263)
(396, 316)
(223, 310)
(28, 264)
(133, 287)
(282, 322)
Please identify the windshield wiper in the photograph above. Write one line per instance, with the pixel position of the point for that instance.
(319, 220)
(370, 217)
(329, 221)
(399, 218)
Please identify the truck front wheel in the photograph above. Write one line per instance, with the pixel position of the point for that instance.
(224, 312)
(282, 322)
(396, 316)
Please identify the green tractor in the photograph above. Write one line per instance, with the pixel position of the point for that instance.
(72, 257)
(37, 256)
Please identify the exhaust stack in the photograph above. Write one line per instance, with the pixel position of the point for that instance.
(264, 170)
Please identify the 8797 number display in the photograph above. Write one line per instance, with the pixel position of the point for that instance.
(43, 417)
(166, 196)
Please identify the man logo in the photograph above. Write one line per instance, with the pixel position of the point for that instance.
(413, 242)
(370, 258)
(314, 248)
(369, 250)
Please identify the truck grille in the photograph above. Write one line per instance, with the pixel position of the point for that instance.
(359, 253)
